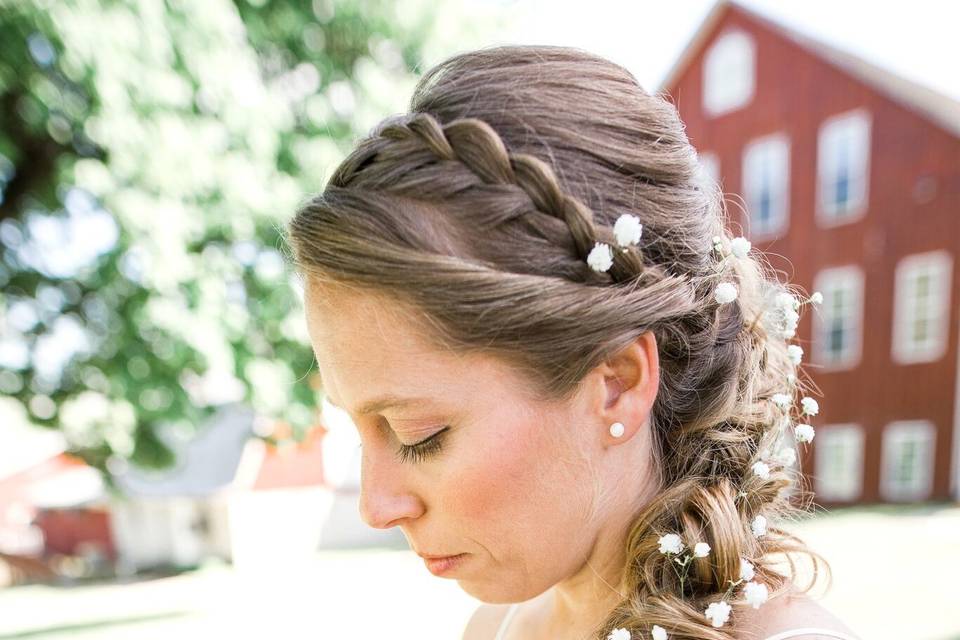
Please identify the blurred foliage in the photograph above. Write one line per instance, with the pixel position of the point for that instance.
(150, 153)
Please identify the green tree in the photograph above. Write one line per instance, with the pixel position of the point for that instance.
(150, 152)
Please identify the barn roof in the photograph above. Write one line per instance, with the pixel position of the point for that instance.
(933, 105)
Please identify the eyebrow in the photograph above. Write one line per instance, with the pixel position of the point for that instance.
(383, 402)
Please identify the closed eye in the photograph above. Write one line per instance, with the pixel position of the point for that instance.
(423, 449)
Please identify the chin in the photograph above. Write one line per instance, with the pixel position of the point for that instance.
(495, 593)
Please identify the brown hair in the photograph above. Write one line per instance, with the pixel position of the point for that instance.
(478, 209)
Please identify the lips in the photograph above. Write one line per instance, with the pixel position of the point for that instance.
(443, 564)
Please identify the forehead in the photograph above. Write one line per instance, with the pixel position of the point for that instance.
(368, 345)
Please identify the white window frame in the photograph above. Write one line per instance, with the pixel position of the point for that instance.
(729, 73)
(830, 486)
(766, 160)
(853, 127)
(939, 266)
(826, 281)
(895, 435)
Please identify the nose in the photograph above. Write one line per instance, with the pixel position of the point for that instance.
(386, 497)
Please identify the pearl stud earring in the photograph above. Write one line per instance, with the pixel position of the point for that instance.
(616, 429)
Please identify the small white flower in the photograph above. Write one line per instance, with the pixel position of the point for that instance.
(790, 320)
(627, 229)
(810, 406)
(786, 456)
(785, 300)
(670, 543)
(718, 613)
(791, 378)
(701, 550)
(619, 634)
(782, 400)
(761, 469)
(759, 526)
(725, 292)
(718, 243)
(804, 433)
(816, 298)
(600, 257)
(746, 570)
(796, 353)
(740, 246)
(659, 633)
(756, 593)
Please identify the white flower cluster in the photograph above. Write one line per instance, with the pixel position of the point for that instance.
(739, 249)
(780, 314)
(627, 230)
(658, 633)
(755, 593)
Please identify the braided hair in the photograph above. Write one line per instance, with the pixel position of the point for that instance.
(478, 209)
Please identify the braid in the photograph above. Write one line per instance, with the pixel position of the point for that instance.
(474, 143)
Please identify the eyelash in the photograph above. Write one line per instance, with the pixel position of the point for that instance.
(423, 449)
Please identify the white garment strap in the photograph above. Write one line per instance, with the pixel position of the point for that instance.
(506, 621)
(793, 633)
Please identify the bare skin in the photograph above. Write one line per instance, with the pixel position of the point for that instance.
(537, 495)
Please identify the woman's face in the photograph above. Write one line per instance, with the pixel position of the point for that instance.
(512, 482)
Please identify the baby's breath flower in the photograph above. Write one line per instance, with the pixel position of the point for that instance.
(659, 633)
(810, 406)
(725, 292)
(718, 244)
(761, 469)
(619, 634)
(786, 456)
(756, 593)
(718, 613)
(816, 298)
(803, 433)
(670, 543)
(759, 526)
(782, 400)
(627, 229)
(790, 320)
(746, 569)
(786, 300)
(740, 246)
(600, 258)
(791, 378)
(701, 550)
(796, 353)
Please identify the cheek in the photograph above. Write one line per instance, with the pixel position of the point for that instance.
(516, 487)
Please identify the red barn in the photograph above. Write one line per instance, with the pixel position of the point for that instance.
(850, 182)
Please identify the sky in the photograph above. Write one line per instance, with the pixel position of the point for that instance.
(918, 40)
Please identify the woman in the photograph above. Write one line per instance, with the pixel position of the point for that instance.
(573, 390)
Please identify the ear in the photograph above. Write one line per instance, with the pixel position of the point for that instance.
(626, 386)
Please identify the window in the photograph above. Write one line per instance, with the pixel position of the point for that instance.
(709, 170)
(728, 73)
(907, 470)
(838, 456)
(838, 323)
(922, 307)
(766, 177)
(843, 167)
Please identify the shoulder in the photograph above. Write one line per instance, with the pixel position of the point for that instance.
(793, 609)
(485, 621)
